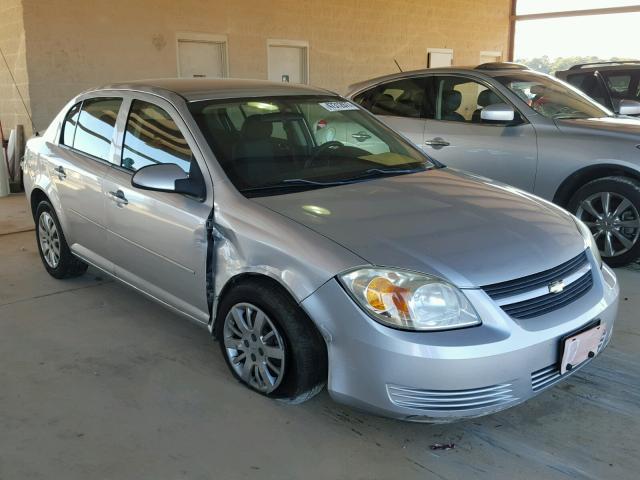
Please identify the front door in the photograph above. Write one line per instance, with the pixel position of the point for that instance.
(458, 137)
(158, 240)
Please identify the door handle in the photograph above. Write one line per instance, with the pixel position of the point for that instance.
(119, 198)
(361, 136)
(437, 143)
(60, 172)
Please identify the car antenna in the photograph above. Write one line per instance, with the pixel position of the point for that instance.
(13, 79)
(398, 65)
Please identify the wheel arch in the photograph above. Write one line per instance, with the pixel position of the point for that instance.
(243, 278)
(37, 195)
(581, 177)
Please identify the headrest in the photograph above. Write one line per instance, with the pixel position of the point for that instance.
(255, 128)
(487, 97)
(451, 100)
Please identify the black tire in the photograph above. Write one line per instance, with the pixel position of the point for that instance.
(624, 187)
(68, 264)
(305, 354)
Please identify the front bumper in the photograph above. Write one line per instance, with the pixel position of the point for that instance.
(451, 375)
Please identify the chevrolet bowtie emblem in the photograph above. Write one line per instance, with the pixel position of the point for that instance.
(556, 287)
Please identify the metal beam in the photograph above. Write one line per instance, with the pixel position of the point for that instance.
(575, 13)
(512, 31)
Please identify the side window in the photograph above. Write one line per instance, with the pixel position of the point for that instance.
(69, 125)
(400, 98)
(95, 127)
(590, 85)
(460, 99)
(151, 136)
(576, 79)
(619, 83)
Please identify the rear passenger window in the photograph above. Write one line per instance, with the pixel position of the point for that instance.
(153, 137)
(69, 125)
(95, 126)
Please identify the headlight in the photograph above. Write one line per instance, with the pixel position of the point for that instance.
(588, 239)
(409, 301)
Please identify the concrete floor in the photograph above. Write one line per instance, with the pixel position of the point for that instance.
(98, 382)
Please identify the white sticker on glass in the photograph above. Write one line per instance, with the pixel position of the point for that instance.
(338, 106)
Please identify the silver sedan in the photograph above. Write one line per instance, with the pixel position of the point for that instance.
(319, 247)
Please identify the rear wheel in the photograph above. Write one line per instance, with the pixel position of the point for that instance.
(52, 245)
(269, 343)
(610, 207)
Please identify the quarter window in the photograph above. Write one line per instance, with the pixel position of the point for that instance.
(69, 125)
(96, 124)
(153, 137)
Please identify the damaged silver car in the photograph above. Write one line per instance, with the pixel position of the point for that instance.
(320, 247)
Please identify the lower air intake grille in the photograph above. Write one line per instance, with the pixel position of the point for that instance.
(457, 400)
(547, 376)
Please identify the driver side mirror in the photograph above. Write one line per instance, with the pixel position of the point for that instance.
(628, 107)
(168, 177)
(498, 112)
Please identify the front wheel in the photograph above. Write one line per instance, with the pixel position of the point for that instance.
(610, 207)
(269, 343)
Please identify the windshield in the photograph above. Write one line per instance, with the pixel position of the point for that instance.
(270, 146)
(552, 98)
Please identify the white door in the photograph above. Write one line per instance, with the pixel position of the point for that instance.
(439, 57)
(201, 59)
(287, 64)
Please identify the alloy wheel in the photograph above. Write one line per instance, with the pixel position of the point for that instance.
(49, 239)
(613, 220)
(254, 347)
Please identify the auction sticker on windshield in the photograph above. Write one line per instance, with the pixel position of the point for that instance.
(338, 106)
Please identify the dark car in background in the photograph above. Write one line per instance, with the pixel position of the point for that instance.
(616, 85)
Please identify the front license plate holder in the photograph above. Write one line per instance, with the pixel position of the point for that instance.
(580, 345)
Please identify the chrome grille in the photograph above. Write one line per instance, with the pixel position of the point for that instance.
(494, 395)
(529, 296)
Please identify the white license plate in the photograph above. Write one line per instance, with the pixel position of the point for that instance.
(580, 347)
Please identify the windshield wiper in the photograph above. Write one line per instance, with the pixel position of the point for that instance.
(382, 172)
(291, 184)
(295, 183)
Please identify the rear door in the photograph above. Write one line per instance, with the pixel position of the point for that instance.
(78, 166)
(458, 137)
(401, 105)
(158, 240)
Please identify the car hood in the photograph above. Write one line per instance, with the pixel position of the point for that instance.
(616, 126)
(469, 230)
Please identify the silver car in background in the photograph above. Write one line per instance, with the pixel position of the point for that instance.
(319, 246)
(526, 129)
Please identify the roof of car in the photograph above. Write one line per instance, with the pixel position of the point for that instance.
(494, 69)
(206, 88)
(601, 66)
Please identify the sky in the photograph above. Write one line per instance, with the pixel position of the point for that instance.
(603, 36)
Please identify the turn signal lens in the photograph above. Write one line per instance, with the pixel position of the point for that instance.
(384, 296)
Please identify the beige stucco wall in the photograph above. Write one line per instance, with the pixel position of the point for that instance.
(12, 44)
(73, 45)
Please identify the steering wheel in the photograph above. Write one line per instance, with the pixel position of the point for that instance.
(313, 161)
